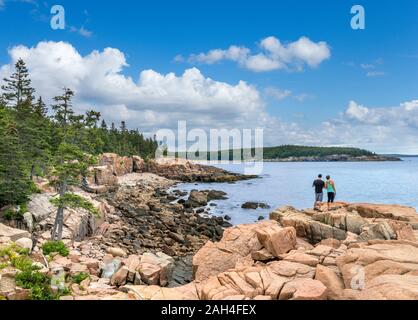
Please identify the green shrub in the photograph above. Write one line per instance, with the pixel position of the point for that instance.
(22, 263)
(37, 283)
(12, 251)
(11, 214)
(80, 277)
(15, 213)
(55, 247)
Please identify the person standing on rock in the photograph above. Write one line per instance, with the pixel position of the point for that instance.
(319, 186)
(331, 190)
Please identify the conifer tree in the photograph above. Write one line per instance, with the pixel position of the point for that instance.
(15, 186)
(70, 162)
(17, 88)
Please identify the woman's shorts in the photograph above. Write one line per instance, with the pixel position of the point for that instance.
(331, 197)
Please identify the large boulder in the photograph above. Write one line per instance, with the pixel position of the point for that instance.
(331, 280)
(141, 292)
(12, 234)
(360, 265)
(197, 199)
(389, 287)
(104, 176)
(277, 240)
(78, 223)
(237, 243)
(303, 289)
(305, 226)
(40, 206)
(156, 269)
(392, 212)
(139, 164)
(119, 165)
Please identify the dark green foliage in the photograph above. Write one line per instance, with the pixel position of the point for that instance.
(35, 144)
(287, 151)
(28, 276)
(15, 213)
(15, 184)
(55, 247)
(18, 87)
(38, 283)
(79, 277)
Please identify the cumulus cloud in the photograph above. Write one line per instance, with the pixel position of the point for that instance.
(98, 80)
(273, 55)
(154, 100)
(404, 115)
(382, 129)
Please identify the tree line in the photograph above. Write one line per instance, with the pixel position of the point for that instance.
(54, 142)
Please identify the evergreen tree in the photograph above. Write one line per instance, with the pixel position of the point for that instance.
(15, 186)
(40, 108)
(63, 110)
(70, 162)
(18, 87)
(103, 126)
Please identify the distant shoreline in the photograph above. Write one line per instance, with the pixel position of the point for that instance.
(338, 158)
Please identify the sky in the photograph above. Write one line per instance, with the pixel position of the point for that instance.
(296, 69)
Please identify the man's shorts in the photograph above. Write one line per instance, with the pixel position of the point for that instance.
(319, 197)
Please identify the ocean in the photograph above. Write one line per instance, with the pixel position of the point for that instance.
(291, 184)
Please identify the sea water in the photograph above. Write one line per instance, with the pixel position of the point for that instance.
(291, 184)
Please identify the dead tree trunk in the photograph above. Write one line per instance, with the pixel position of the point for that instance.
(56, 232)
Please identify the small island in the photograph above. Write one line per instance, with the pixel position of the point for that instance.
(296, 153)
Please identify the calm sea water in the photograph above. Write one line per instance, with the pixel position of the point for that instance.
(290, 184)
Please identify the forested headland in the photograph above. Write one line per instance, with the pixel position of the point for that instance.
(54, 141)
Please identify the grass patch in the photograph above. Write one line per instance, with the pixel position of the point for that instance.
(80, 277)
(37, 283)
(55, 247)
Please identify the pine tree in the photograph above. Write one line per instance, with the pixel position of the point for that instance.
(70, 162)
(103, 126)
(63, 110)
(40, 108)
(18, 87)
(15, 186)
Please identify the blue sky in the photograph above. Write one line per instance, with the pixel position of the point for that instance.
(364, 93)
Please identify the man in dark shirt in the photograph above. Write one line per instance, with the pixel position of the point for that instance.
(319, 185)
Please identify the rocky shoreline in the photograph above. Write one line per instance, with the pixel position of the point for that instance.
(152, 241)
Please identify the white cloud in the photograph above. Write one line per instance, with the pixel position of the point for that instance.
(375, 74)
(277, 93)
(383, 129)
(367, 66)
(273, 55)
(82, 31)
(156, 100)
(99, 82)
(404, 115)
(356, 111)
